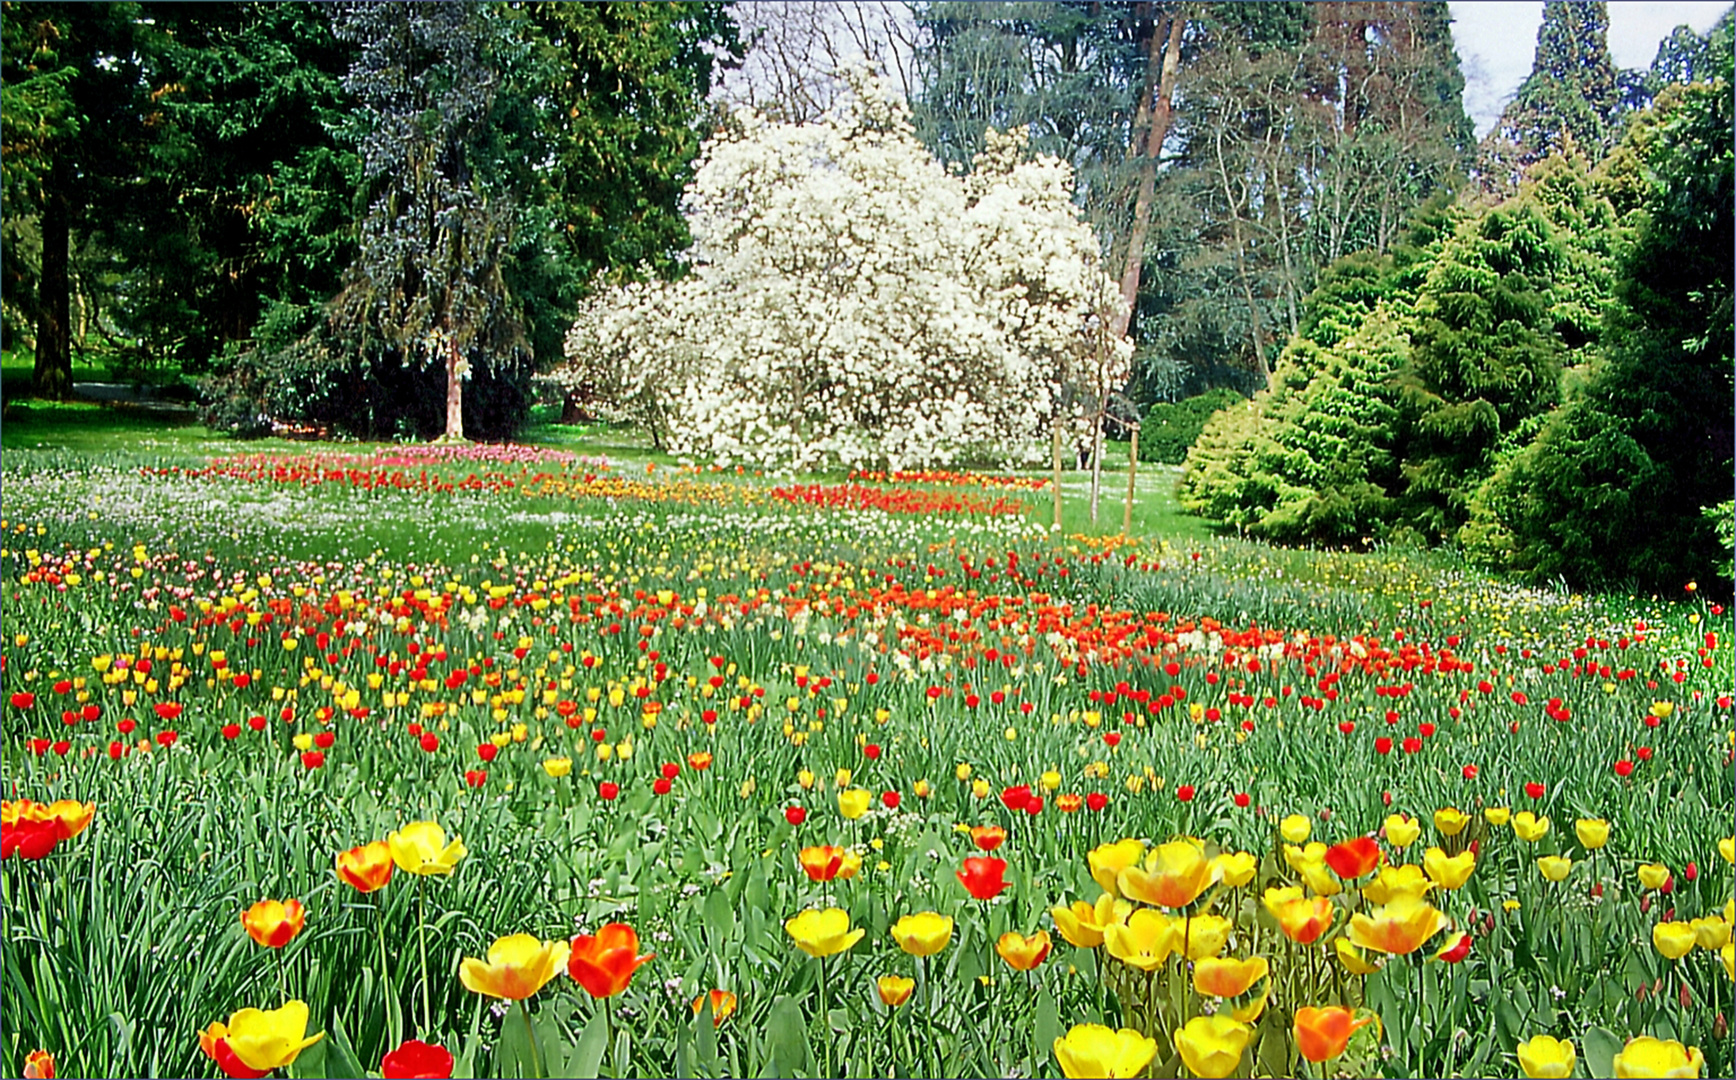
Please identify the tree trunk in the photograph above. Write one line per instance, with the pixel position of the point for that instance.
(454, 394)
(53, 375)
(1233, 206)
(1154, 136)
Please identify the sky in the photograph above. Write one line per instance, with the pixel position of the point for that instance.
(1497, 39)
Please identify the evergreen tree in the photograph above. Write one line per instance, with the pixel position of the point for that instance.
(77, 116)
(1484, 359)
(1631, 480)
(1573, 91)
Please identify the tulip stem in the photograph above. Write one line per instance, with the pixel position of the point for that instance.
(282, 979)
(530, 1033)
(422, 940)
(825, 1019)
(380, 928)
(609, 1027)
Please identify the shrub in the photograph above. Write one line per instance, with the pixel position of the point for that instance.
(1170, 428)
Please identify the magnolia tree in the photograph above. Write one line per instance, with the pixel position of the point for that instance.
(851, 302)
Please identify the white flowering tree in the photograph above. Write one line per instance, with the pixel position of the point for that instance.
(851, 302)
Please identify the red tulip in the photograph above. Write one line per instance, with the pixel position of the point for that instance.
(795, 815)
(983, 876)
(1015, 798)
(1096, 801)
(662, 786)
(607, 791)
(417, 1060)
(1354, 858)
(1535, 790)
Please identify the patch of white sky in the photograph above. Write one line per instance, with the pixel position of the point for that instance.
(1497, 41)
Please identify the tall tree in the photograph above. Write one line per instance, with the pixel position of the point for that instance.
(1630, 481)
(1305, 133)
(1094, 82)
(1573, 91)
(427, 288)
(76, 116)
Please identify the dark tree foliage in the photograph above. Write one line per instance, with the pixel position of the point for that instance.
(1484, 359)
(505, 156)
(1573, 91)
(1617, 486)
(76, 119)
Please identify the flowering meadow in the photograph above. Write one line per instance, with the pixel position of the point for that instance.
(503, 761)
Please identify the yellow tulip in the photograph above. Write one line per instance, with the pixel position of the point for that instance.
(1146, 940)
(1205, 935)
(1497, 815)
(1211, 1046)
(1449, 872)
(271, 1038)
(1646, 1056)
(1554, 867)
(1173, 877)
(1108, 860)
(1727, 849)
(1354, 959)
(1295, 828)
(1653, 875)
(517, 967)
(1235, 868)
(823, 933)
(1092, 1050)
(1396, 881)
(1450, 821)
(1082, 924)
(1546, 1057)
(1710, 932)
(924, 934)
(1297, 857)
(1673, 939)
(1529, 827)
(558, 767)
(853, 802)
(421, 848)
(1728, 955)
(1593, 833)
(1402, 832)
(1399, 928)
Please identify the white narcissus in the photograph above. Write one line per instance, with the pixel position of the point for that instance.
(851, 302)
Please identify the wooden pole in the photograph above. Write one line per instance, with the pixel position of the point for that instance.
(1057, 480)
(1132, 468)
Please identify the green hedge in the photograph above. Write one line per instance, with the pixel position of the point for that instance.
(1170, 428)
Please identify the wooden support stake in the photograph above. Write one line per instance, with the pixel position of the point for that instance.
(1057, 480)
(1132, 468)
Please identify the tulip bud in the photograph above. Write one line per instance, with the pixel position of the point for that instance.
(1687, 997)
(1640, 993)
(1669, 885)
(1386, 798)
(1691, 871)
(1720, 1027)
(1646, 904)
(1597, 890)
(1489, 923)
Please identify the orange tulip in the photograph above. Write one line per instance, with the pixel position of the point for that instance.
(822, 863)
(72, 816)
(722, 1006)
(1322, 1034)
(273, 924)
(38, 1065)
(1024, 953)
(988, 837)
(1302, 919)
(604, 964)
(366, 868)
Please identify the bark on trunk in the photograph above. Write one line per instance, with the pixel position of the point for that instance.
(1155, 133)
(454, 395)
(53, 375)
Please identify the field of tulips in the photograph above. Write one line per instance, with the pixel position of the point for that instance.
(505, 762)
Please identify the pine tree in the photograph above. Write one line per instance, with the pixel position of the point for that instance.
(1573, 91)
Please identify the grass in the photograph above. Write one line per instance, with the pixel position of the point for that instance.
(128, 940)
